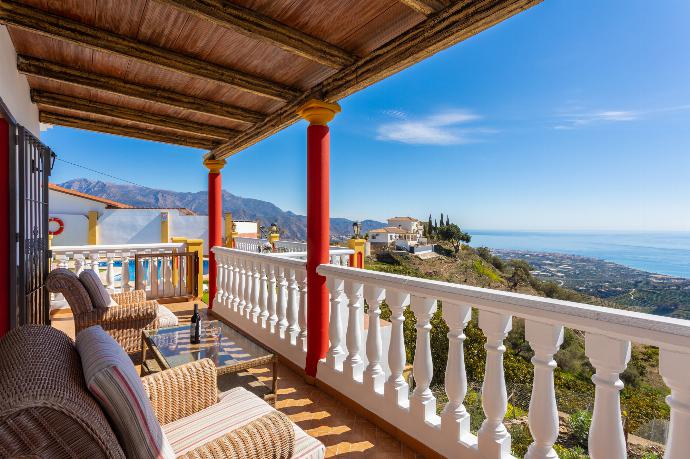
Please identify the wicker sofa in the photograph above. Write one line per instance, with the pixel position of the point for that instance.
(123, 322)
(48, 411)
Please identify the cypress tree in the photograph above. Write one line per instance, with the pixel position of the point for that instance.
(447, 220)
(441, 220)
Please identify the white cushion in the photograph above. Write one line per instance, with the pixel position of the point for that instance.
(166, 318)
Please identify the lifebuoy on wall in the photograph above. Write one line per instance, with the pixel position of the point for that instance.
(61, 226)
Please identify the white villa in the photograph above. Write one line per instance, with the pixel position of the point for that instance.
(399, 228)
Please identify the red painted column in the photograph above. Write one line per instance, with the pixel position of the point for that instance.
(215, 222)
(318, 227)
(4, 227)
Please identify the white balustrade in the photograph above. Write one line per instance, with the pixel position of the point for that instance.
(374, 376)
(112, 264)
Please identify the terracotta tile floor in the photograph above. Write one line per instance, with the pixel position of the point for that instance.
(344, 433)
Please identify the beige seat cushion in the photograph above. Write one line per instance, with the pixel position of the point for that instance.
(61, 280)
(112, 379)
(100, 298)
(237, 408)
(166, 318)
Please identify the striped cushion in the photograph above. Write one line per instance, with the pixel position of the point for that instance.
(100, 298)
(237, 407)
(114, 383)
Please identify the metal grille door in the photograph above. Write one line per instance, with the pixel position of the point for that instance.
(32, 164)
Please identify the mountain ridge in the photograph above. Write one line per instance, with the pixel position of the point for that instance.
(293, 226)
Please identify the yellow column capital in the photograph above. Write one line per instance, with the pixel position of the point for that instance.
(214, 165)
(318, 112)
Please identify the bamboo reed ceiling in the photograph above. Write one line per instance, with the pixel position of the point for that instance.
(221, 75)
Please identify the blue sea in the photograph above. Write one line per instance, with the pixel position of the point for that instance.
(662, 253)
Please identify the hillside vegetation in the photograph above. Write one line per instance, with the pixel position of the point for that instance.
(642, 397)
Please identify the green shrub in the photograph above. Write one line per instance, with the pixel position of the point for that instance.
(570, 453)
(578, 424)
(521, 438)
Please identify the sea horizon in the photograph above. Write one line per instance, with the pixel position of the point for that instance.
(659, 252)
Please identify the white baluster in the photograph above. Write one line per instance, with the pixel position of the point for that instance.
(352, 367)
(272, 299)
(78, 264)
(153, 276)
(220, 280)
(282, 302)
(609, 356)
(63, 261)
(493, 437)
(373, 374)
(140, 281)
(110, 272)
(93, 261)
(344, 260)
(242, 288)
(336, 354)
(423, 402)
(396, 389)
(302, 337)
(545, 339)
(674, 367)
(237, 284)
(126, 283)
(248, 287)
(263, 296)
(293, 307)
(229, 281)
(455, 420)
(256, 293)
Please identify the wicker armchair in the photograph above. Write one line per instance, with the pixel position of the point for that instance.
(46, 410)
(123, 322)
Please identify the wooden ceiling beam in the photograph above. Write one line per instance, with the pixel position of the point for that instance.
(449, 26)
(53, 100)
(259, 26)
(58, 72)
(126, 131)
(34, 20)
(425, 7)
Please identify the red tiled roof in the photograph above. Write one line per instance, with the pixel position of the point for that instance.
(107, 202)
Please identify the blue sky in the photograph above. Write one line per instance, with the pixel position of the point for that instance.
(572, 115)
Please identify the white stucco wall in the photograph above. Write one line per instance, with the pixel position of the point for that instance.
(67, 204)
(76, 230)
(189, 226)
(14, 89)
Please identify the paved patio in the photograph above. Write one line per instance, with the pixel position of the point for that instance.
(344, 433)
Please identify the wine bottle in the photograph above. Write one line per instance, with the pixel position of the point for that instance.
(195, 329)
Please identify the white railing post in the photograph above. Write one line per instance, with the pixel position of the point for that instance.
(78, 263)
(93, 261)
(302, 337)
(373, 374)
(609, 356)
(220, 275)
(242, 288)
(455, 420)
(293, 306)
(352, 367)
(227, 280)
(423, 402)
(263, 296)
(248, 287)
(674, 367)
(545, 339)
(256, 293)
(396, 389)
(282, 302)
(493, 437)
(124, 273)
(236, 284)
(272, 299)
(336, 354)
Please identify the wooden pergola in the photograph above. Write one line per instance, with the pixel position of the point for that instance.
(221, 76)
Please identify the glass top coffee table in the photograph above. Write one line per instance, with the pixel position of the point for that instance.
(232, 352)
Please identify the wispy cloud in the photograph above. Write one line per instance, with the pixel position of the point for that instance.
(441, 128)
(582, 118)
